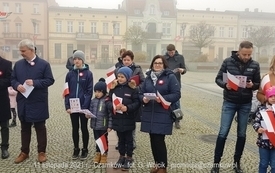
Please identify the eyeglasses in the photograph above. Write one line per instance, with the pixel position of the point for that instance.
(158, 63)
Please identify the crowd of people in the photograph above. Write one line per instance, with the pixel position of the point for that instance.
(132, 96)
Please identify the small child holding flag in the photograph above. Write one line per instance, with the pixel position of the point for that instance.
(266, 139)
(102, 124)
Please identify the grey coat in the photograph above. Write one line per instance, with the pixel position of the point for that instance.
(104, 118)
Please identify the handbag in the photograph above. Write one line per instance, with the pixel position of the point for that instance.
(176, 114)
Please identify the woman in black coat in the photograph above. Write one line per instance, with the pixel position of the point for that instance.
(5, 114)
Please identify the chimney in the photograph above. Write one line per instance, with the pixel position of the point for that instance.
(256, 10)
(207, 9)
(246, 10)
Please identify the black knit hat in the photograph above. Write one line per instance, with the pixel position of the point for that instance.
(101, 86)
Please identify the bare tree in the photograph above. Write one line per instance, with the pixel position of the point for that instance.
(201, 34)
(261, 36)
(135, 35)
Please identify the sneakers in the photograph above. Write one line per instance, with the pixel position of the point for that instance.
(75, 153)
(103, 158)
(127, 164)
(215, 168)
(22, 156)
(13, 123)
(84, 154)
(237, 167)
(97, 158)
(120, 162)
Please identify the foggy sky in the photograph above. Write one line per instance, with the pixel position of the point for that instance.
(217, 5)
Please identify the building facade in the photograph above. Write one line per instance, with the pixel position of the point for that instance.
(28, 20)
(97, 32)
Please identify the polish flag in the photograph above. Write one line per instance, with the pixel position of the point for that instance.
(102, 143)
(66, 89)
(265, 83)
(269, 120)
(110, 79)
(110, 71)
(163, 102)
(116, 101)
(233, 82)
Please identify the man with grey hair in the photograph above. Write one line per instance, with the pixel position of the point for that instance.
(32, 71)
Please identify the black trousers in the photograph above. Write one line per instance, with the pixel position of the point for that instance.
(125, 143)
(75, 117)
(159, 150)
(5, 134)
(98, 134)
(13, 111)
(41, 135)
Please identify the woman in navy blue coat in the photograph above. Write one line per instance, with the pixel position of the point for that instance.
(156, 120)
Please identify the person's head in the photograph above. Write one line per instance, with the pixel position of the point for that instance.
(127, 58)
(100, 88)
(27, 49)
(124, 74)
(171, 50)
(270, 95)
(245, 51)
(272, 64)
(158, 63)
(78, 58)
(122, 51)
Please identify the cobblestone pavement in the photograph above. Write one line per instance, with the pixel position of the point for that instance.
(187, 152)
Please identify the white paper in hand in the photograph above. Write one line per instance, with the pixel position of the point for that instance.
(75, 105)
(28, 90)
(88, 112)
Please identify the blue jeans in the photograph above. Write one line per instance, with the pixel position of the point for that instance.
(177, 106)
(228, 112)
(267, 156)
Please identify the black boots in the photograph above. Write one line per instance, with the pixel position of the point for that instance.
(5, 154)
(215, 168)
(76, 153)
(13, 123)
(237, 167)
(84, 154)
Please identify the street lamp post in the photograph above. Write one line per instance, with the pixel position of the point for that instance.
(34, 26)
(183, 27)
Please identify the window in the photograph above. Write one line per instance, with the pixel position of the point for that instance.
(136, 11)
(93, 27)
(36, 28)
(18, 27)
(58, 26)
(230, 32)
(6, 27)
(116, 28)
(35, 8)
(166, 28)
(57, 50)
(152, 9)
(137, 24)
(81, 27)
(6, 7)
(245, 34)
(105, 28)
(69, 26)
(221, 31)
(17, 8)
(70, 48)
(166, 13)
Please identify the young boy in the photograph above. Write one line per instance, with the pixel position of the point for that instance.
(102, 124)
(266, 148)
(124, 96)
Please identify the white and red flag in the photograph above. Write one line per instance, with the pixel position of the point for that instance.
(269, 120)
(102, 144)
(110, 71)
(116, 102)
(109, 80)
(66, 89)
(164, 103)
(265, 83)
(233, 82)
